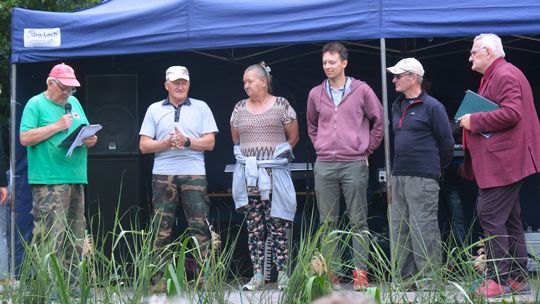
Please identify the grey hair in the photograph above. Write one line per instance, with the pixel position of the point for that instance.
(419, 79)
(492, 42)
(263, 71)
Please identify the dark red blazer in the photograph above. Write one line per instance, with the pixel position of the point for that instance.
(513, 150)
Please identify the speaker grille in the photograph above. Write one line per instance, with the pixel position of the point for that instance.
(115, 199)
(111, 100)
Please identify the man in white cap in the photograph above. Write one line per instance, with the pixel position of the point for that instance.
(178, 130)
(57, 180)
(423, 148)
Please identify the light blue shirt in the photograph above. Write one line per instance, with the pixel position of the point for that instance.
(337, 95)
(195, 119)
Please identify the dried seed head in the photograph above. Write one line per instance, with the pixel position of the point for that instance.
(318, 264)
(88, 247)
(216, 239)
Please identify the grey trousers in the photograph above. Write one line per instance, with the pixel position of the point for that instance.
(416, 244)
(352, 178)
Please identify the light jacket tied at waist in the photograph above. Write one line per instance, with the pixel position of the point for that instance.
(249, 171)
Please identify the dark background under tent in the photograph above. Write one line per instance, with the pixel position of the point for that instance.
(116, 90)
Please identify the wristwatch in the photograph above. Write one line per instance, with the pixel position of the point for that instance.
(187, 143)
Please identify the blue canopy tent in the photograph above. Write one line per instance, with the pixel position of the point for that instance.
(122, 27)
(139, 26)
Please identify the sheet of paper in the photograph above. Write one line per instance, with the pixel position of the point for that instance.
(85, 132)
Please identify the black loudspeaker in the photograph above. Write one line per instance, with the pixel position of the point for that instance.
(114, 195)
(111, 100)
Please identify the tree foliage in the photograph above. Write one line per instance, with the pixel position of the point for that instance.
(6, 7)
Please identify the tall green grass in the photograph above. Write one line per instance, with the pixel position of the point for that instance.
(121, 266)
(109, 275)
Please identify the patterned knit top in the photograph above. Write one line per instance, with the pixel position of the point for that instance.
(261, 133)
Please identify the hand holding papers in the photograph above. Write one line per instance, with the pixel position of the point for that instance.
(75, 139)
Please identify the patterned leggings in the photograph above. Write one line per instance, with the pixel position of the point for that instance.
(261, 225)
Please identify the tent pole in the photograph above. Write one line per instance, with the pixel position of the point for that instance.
(13, 133)
(387, 163)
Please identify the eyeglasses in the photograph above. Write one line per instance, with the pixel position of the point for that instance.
(398, 76)
(63, 88)
(473, 52)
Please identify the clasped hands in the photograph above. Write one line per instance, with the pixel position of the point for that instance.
(177, 139)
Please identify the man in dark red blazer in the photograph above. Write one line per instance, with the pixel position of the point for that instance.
(502, 148)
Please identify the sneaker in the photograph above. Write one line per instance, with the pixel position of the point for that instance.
(255, 283)
(490, 289)
(283, 280)
(360, 280)
(519, 286)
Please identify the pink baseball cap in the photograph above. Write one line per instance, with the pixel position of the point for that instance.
(65, 74)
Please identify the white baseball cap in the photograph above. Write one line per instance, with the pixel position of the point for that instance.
(410, 65)
(177, 72)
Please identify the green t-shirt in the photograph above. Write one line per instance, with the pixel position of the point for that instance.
(48, 163)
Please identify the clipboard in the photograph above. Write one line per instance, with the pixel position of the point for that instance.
(75, 139)
(68, 141)
(474, 103)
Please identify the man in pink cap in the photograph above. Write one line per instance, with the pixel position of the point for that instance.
(57, 180)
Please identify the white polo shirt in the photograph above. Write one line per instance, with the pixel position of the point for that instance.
(195, 119)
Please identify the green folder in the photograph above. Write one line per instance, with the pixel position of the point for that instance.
(474, 103)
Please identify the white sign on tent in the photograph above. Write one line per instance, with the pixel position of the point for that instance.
(42, 38)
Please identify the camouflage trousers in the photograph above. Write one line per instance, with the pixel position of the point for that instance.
(59, 220)
(189, 191)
